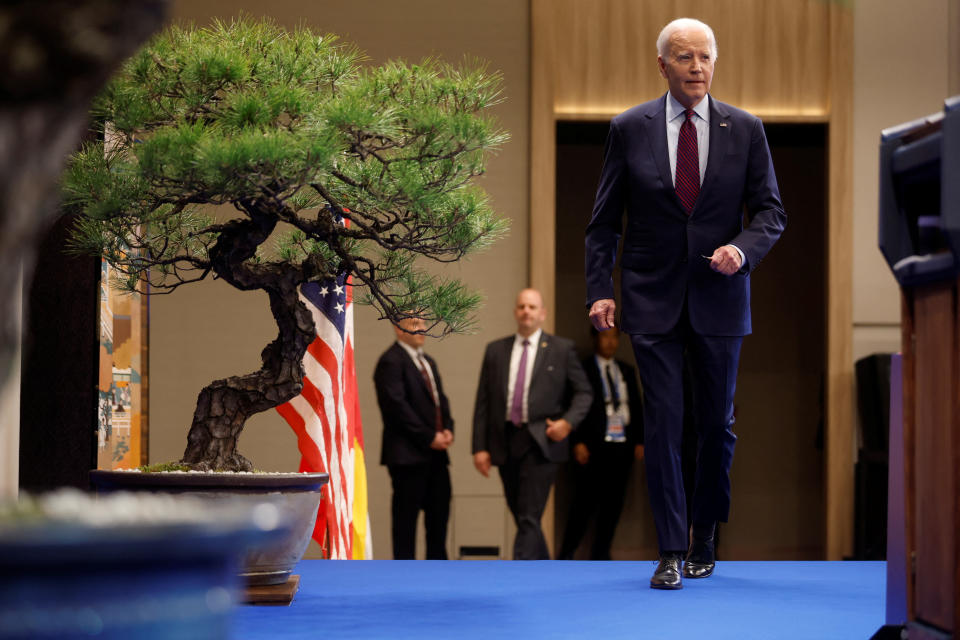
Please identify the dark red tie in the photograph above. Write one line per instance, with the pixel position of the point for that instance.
(688, 164)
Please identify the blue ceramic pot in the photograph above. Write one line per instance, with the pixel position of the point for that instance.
(132, 576)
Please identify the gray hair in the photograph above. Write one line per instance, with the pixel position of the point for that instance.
(663, 40)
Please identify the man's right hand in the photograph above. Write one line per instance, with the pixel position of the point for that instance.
(481, 460)
(581, 454)
(602, 313)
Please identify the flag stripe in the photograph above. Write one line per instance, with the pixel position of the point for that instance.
(319, 431)
(310, 460)
(333, 427)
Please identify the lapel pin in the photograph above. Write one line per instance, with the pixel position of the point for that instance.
(723, 124)
(543, 345)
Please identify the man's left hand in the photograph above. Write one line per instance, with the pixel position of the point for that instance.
(557, 430)
(726, 260)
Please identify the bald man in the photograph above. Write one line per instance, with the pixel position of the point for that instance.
(532, 393)
(683, 169)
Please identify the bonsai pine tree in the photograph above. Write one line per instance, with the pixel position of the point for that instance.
(322, 167)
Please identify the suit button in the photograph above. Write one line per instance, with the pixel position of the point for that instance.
(683, 259)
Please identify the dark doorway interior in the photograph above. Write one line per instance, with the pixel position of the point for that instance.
(778, 470)
(58, 392)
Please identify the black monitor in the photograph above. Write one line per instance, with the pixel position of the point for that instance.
(920, 197)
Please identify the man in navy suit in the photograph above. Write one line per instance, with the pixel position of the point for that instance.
(684, 168)
(417, 431)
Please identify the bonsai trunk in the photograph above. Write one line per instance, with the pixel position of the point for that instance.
(224, 405)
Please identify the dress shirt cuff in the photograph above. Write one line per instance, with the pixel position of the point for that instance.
(743, 258)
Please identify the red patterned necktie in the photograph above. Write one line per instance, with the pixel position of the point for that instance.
(687, 181)
(437, 414)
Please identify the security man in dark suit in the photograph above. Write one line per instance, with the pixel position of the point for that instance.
(532, 393)
(604, 447)
(417, 431)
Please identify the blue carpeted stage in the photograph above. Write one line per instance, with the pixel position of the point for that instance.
(485, 599)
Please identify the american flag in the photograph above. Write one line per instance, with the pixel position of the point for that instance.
(326, 418)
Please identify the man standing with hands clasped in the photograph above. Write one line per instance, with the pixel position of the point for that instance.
(683, 168)
(417, 431)
(532, 393)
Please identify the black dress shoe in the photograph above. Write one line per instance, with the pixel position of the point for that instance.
(700, 559)
(667, 575)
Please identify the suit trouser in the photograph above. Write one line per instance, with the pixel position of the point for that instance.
(713, 364)
(527, 477)
(600, 487)
(423, 486)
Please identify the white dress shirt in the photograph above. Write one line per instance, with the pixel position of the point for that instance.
(415, 355)
(515, 356)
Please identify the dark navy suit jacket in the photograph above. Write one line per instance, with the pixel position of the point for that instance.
(661, 263)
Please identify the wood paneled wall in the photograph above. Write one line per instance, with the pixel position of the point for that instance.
(783, 60)
(840, 437)
(773, 54)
